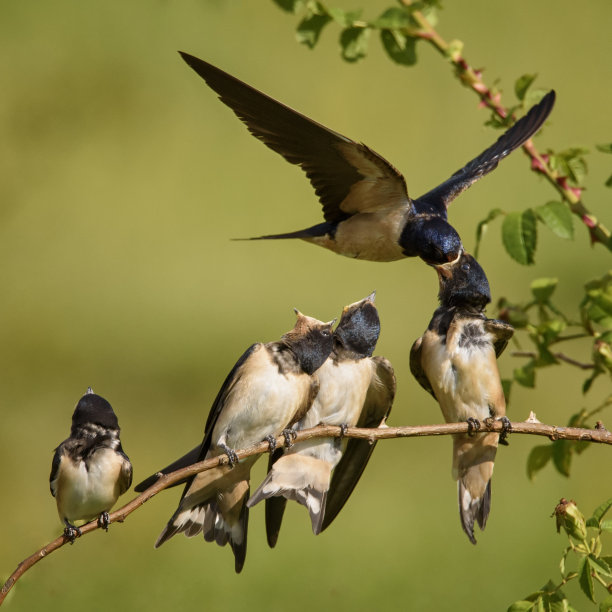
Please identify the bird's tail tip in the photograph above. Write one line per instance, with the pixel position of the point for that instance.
(473, 509)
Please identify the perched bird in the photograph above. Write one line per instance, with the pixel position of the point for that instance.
(456, 361)
(355, 389)
(368, 213)
(269, 389)
(90, 470)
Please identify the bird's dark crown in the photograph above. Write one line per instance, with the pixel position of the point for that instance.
(359, 328)
(463, 283)
(431, 238)
(311, 341)
(94, 409)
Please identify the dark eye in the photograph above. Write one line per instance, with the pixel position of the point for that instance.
(465, 267)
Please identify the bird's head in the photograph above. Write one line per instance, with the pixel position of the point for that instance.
(359, 328)
(463, 283)
(94, 410)
(311, 340)
(431, 238)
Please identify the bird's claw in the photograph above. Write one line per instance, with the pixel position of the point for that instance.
(104, 521)
(232, 457)
(506, 429)
(343, 429)
(271, 440)
(473, 425)
(290, 435)
(71, 533)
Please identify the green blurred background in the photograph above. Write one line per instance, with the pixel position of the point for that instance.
(123, 179)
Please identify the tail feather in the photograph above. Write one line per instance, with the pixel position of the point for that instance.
(300, 478)
(473, 509)
(224, 521)
(311, 232)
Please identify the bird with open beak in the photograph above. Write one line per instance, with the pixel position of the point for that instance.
(455, 360)
(269, 389)
(355, 389)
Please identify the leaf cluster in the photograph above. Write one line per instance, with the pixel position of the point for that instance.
(591, 565)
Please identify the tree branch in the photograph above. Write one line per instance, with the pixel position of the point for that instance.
(539, 162)
(559, 356)
(531, 426)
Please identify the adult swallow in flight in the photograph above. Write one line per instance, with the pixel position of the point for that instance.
(268, 390)
(355, 389)
(456, 361)
(368, 213)
(90, 470)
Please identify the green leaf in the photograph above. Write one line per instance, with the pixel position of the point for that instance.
(543, 288)
(538, 458)
(309, 29)
(522, 85)
(608, 183)
(354, 42)
(344, 18)
(507, 387)
(606, 525)
(601, 510)
(599, 565)
(399, 47)
(393, 18)
(291, 6)
(481, 228)
(558, 218)
(604, 148)
(519, 235)
(585, 579)
(606, 604)
(525, 375)
(520, 606)
(562, 456)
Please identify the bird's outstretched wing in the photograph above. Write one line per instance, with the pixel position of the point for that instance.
(348, 177)
(437, 200)
(376, 409)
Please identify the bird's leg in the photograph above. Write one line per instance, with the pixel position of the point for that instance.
(343, 429)
(290, 435)
(104, 521)
(506, 429)
(232, 457)
(473, 425)
(271, 440)
(71, 533)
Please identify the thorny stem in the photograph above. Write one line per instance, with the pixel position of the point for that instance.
(601, 435)
(539, 162)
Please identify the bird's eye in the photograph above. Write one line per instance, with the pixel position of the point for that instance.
(465, 267)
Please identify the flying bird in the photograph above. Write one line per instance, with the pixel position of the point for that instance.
(355, 389)
(269, 389)
(90, 470)
(456, 361)
(366, 208)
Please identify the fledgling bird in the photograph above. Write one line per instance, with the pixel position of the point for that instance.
(456, 361)
(90, 470)
(355, 389)
(268, 390)
(368, 213)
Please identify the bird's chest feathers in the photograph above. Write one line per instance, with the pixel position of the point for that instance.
(86, 488)
(342, 391)
(462, 371)
(262, 402)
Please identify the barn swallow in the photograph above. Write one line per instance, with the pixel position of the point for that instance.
(456, 361)
(368, 213)
(268, 390)
(90, 470)
(355, 389)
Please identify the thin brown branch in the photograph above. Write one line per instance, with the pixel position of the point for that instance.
(559, 356)
(601, 436)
